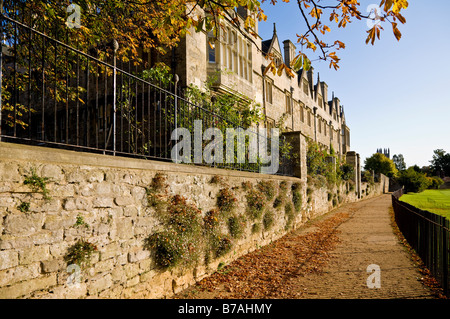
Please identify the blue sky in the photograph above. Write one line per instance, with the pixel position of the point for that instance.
(395, 94)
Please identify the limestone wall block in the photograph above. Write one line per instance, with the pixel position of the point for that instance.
(138, 255)
(118, 274)
(54, 265)
(53, 172)
(63, 190)
(111, 176)
(34, 254)
(130, 211)
(103, 202)
(9, 172)
(8, 259)
(7, 201)
(72, 291)
(38, 204)
(138, 193)
(131, 270)
(21, 224)
(75, 177)
(99, 284)
(124, 200)
(104, 265)
(124, 228)
(132, 282)
(103, 189)
(95, 176)
(27, 287)
(54, 222)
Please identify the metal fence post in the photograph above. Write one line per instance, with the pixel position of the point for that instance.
(115, 47)
(445, 251)
(177, 79)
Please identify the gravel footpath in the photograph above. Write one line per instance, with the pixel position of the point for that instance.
(328, 258)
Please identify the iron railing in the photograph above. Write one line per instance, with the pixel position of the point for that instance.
(428, 234)
(56, 95)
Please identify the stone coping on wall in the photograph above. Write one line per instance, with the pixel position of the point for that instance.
(30, 153)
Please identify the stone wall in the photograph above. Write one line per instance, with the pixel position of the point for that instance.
(105, 201)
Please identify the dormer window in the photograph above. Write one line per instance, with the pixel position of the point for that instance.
(320, 101)
(305, 87)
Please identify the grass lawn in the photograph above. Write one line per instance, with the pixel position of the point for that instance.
(435, 201)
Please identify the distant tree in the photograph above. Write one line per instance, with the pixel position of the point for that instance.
(417, 168)
(399, 162)
(435, 182)
(413, 181)
(440, 164)
(379, 163)
(427, 170)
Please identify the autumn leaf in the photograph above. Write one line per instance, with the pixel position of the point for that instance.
(316, 13)
(399, 4)
(311, 45)
(397, 32)
(297, 63)
(373, 33)
(280, 69)
(340, 44)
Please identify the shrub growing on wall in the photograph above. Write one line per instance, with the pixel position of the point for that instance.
(80, 253)
(315, 159)
(236, 226)
(289, 212)
(347, 171)
(255, 203)
(221, 244)
(38, 183)
(296, 197)
(268, 219)
(267, 188)
(181, 241)
(320, 169)
(226, 201)
(156, 192)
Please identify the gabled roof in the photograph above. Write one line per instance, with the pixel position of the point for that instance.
(342, 114)
(265, 46)
(272, 44)
(318, 89)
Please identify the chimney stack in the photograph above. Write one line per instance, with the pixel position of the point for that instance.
(289, 52)
(325, 92)
(310, 76)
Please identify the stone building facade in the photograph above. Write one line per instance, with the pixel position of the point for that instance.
(240, 63)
